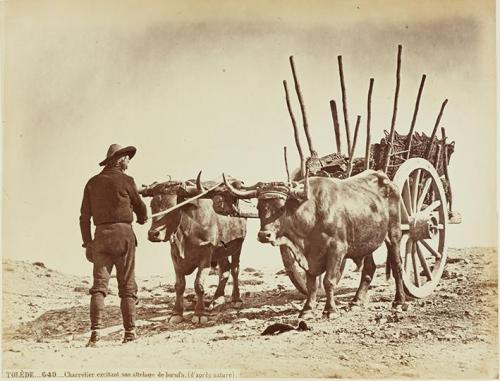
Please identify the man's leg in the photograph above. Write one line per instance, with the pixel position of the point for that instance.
(127, 290)
(99, 290)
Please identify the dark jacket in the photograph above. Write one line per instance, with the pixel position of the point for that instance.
(110, 197)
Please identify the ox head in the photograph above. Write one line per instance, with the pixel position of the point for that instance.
(223, 201)
(164, 196)
(275, 201)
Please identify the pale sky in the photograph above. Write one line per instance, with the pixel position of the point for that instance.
(198, 85)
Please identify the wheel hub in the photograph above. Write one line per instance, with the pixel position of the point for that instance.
(423, 226)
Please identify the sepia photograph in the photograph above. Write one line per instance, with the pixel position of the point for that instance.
(249, 189)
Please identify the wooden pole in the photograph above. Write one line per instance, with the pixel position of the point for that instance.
(414, 119)
(438, 154)
(302, 108)
(286, 165)
(394, 112)
(295, 132)
(344, 106)
(434, 130)
(185, 202)
(368, 121)
(351, 158)
(445, 169)
(333, 107)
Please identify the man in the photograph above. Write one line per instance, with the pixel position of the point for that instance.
(110, 198)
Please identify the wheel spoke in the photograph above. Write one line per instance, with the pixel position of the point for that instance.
(405, 216)
(431, 249)
(423, 262)
(405, 227)
(414, 260)
(425, 189)
(407, 198)
(414, 190)
(436, 204)
(423, 213)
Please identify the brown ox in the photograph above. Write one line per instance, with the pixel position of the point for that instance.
(323, 221)
(197, 237)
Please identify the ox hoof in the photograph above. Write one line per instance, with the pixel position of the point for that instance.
(357, 303)
(217, 302)
(330, 314)
(355, 306)
(199, 319)
(306, 315)
(175, 319)
(237, 303)
(400, 307)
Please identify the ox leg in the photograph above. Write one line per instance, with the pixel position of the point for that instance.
(203, 269)
(334, 267)
(397, 271)
(366, 279)
(235, 273)
(180, 286)
(393, 246)
(218, 298)
(312, 288)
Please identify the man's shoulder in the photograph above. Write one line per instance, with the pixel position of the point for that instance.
(124, 178)
(129, 178)
(114, 176)
(93, 179)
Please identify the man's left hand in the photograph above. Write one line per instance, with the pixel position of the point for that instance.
(88, 253)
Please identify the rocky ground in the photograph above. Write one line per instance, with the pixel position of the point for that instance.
(453, 333)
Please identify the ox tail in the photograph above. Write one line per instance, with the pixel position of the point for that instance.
(387, 269)
(387, 262)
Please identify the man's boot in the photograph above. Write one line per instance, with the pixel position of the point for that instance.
(95, 336)
(96, 312)
(129, 336)
(127, 305)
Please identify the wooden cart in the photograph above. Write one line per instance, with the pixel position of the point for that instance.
(417, 164)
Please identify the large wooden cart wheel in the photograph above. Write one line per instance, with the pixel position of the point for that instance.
(424, 216)
(297, 274)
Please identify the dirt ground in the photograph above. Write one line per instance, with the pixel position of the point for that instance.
(451, 334)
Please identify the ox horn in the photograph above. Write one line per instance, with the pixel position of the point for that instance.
(239, 193)
(198, 183)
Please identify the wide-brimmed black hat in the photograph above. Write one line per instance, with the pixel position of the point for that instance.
(116, 150)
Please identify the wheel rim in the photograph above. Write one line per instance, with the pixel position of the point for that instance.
(424, 219)
(296, 274)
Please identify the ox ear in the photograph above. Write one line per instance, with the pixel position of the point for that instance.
(147, 190)
(188, 190)
(301, 192)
